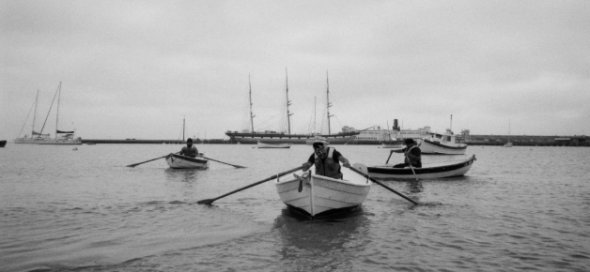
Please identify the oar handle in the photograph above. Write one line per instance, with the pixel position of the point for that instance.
(209, 201)
(383, 185)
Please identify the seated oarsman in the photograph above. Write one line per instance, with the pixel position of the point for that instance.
(412, 153)
(326, 160)
(189, 150)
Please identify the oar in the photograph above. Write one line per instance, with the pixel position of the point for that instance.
(209, 201)
(412, 168)
(136, 164)
(390, 152)
(382, 185)
(413, 172)
(234, 165)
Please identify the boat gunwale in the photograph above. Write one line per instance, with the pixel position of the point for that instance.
(383, 169)
(196, 160)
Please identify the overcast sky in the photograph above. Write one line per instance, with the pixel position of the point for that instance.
(135, 69)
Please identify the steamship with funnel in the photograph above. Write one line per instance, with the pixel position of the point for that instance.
(273, 137)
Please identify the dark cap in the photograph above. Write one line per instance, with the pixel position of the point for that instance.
(409, 141)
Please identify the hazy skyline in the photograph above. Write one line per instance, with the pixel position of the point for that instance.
(135, 69)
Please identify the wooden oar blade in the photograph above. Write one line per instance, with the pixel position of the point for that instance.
(206, 201)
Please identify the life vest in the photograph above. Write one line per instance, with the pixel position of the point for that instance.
(328, 167)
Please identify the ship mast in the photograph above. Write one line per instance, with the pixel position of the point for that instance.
(288, 102)
(251, 113)
(328, 104)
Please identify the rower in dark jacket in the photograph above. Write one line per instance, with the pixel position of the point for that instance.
(413, 155)
(189, 150)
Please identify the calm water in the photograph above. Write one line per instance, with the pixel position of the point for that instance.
(518, 209)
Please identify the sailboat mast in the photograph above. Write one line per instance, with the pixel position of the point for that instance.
(288, 102)
(314, 114)
(57, 111)
(50, 107)
(451, 125)
(183, 127)
(328, 104)
(35, 113)
(251, 113)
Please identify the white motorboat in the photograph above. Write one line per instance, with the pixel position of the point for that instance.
(442, 144)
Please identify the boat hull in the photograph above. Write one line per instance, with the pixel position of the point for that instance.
(317, 195)
(387, 172)
(280, 138)
(60, 142)
(437, 148)
(176, 161)
(272, 145)
(48, 141)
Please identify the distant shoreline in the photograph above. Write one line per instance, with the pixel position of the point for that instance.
(491, 140)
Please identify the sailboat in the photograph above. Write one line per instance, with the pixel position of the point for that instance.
(62, 137)
(272, 137)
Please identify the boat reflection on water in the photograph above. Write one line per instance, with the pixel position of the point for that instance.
(182, 175)
(312, 245)
(415, 186)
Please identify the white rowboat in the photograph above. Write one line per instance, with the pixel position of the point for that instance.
(315, 194)
(260, 144)
(182, 162)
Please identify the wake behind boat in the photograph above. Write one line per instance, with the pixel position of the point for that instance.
(320, 195)
(434, 171)
(176, 161)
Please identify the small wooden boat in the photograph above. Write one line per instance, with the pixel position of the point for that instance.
(272, 145)
(442, 144)
(182, 162)
(316, 195)
(435, 171)
(2, 143)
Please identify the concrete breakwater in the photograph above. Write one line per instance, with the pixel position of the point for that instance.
(528, 140)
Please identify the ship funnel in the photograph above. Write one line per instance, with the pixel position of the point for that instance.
(395, 125)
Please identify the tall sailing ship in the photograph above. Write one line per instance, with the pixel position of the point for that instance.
(271, 137)
(62, 137)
